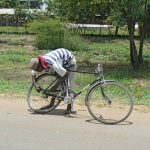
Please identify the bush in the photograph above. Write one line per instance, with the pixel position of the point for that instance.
(75, 42)
(52, 34)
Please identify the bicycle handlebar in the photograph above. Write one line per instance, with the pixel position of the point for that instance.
(33, 77)
(37, 87)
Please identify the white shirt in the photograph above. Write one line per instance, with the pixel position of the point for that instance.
(59, 59)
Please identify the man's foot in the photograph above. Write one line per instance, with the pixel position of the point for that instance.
(70, 110)
(73, 112)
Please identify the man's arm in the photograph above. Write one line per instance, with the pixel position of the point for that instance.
(59, 69)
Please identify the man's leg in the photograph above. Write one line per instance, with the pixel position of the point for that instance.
(52, 89)
(72, 87)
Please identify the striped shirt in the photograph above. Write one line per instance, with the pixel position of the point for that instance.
(59, 59)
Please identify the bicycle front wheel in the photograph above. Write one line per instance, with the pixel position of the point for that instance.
(37, 101)
(109, 102)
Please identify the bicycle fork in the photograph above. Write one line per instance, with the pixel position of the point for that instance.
(103, 91)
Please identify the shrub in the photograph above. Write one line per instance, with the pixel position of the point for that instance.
(75, 42)
(52, 34)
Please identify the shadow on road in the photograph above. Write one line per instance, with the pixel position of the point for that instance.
(96, 122)
(61, 112)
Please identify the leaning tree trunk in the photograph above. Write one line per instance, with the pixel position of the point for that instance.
(116, 31)
(133, 53)
(133, 49)
(141, 32)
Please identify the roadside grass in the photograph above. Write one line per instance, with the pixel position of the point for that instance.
(17, 50)
(12, 29)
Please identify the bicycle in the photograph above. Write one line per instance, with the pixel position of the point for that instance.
(108, 101)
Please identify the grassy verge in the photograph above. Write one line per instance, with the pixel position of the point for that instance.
(17, 50)
(13, 29)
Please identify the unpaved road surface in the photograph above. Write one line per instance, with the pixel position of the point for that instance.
(22, 130)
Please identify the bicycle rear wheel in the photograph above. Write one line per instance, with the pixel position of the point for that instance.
(37, 100)
(109, 102)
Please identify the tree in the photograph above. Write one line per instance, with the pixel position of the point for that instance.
(125, 11)
(148, 22)
(8, 3)
(80, 11)
(132, 11)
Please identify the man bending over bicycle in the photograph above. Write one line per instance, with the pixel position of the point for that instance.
(57, 60)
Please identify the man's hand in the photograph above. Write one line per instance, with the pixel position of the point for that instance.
(66, 74)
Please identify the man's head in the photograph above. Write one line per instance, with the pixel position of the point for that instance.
(36, 65)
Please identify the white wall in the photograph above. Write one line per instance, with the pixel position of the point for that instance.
(7, 11)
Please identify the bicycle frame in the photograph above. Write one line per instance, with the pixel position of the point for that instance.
(99, 80)
(86, 87)
(98, 71)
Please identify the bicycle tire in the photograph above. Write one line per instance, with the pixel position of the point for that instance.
(117, 110)
(36, 100)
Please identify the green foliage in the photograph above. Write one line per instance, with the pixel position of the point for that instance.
(52, 34)
(81, 11)
(75, 42)
(51, 6)
(9, 3)
(49, 33)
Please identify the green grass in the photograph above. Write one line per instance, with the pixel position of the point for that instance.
(10, 86)
(11, 29)
(17, 50)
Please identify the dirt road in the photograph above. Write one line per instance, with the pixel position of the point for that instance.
(22, 130)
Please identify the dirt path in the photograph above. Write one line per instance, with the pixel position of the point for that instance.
(18, 104)
(22, 130)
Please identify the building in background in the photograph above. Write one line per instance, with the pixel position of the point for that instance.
(30, 5)
(16, 17)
